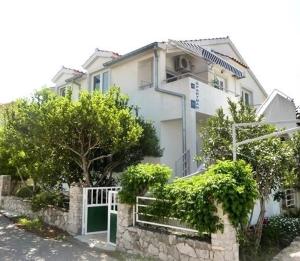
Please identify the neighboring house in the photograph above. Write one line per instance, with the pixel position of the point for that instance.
(175, 84)
(278, 107)
(298, 114)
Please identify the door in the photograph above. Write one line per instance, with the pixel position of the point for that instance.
(112, 217)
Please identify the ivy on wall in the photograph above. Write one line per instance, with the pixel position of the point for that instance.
(193, 200)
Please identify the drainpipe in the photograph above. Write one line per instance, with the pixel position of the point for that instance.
(180, 95)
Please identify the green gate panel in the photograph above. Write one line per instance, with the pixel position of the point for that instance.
(97, 219)
(113, 228)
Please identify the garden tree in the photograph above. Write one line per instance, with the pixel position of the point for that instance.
(54, 140)
(148, 145)
(269, 158)
(295, 144)
(94, 128)
(24, 150)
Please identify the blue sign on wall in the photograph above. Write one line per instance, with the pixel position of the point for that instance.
(195, 94)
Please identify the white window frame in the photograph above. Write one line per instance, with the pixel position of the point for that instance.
(62, 90)
(108, 80)
(250, 95)
(220, 79)
(291, 201)
(141, 82)
(93, 81)
(101, 75)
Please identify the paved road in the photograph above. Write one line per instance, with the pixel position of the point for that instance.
(17, 244)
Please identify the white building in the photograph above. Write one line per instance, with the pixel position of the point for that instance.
(175, 84)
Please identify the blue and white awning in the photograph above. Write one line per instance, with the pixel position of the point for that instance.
(207, 55)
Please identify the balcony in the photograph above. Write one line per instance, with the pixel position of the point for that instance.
(202, 96)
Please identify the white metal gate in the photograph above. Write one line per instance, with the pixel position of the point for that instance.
(95, 209)
(112, 217)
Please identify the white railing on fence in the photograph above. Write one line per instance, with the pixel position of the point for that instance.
(139, 214)
(98, 196)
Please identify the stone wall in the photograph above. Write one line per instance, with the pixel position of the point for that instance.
(51, 215)
(70, 221)
(136, 240)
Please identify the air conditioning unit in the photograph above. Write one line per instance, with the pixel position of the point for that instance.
(182, 63)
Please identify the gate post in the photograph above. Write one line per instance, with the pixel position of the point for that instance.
(5, 181)
(224, 243)
(75, 210)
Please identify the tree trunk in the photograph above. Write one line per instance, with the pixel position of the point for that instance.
(86, 173)
(260, 222)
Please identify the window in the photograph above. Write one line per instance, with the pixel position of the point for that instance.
(219, 83)
(96, 82)
(171, 77)
(105, 82)
(290, 199)
(247, 97)
(62, 91)
(145, 73)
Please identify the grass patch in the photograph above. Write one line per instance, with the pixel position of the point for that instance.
(38, 227)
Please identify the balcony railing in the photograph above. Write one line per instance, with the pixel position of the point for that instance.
(201, 79)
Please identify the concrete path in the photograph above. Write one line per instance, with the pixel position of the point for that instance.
(17, 244)
(290, 253)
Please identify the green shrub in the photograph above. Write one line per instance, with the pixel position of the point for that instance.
(138, 179)
(45, 198)
(31, 224)
(193, 200)
(280, 231)
(25, 192)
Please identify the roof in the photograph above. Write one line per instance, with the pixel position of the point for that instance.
(100, 53)
(73, 70)
(261, 110)
(232, 58)
(208, 39)
(133, 53)
(64, 69)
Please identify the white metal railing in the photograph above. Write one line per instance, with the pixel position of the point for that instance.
(183, 164)
(172, 223)
(98, 196)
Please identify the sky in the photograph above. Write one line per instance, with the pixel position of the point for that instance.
(38, 37)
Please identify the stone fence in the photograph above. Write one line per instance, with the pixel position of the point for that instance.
(70, 221)
(136, 240)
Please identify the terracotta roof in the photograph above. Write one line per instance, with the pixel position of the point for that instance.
(73, 70)
(114, 53)
(232, 58)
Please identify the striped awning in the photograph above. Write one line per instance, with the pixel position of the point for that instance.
(207, 55)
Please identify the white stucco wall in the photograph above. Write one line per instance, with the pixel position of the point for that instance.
(97, 64)
(281, 109)
(273, 208)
